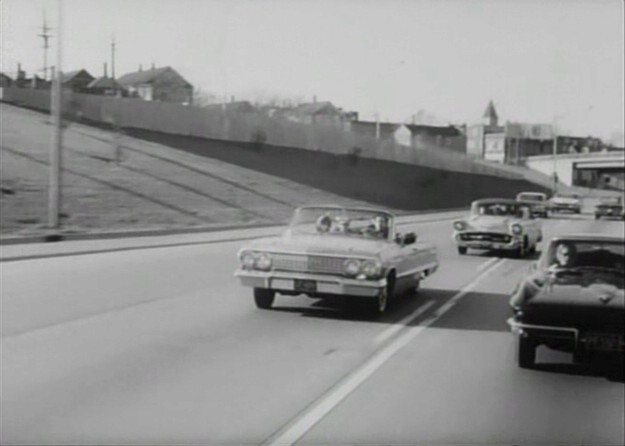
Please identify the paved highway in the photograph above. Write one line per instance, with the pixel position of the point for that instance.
(163, 346)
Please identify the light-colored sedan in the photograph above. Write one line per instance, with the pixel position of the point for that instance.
(498, 224)
(566, 203)
(331, 251)
(540, 204)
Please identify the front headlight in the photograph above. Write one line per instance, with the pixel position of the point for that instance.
(516, 229)
(459, 225)
(352, 267)
(371, 269)
(248, 260)
(263, 262)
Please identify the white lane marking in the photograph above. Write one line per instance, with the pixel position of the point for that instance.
(386, 334)
(487, 263)
(296, 429)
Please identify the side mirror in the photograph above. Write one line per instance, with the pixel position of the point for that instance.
(409, 238)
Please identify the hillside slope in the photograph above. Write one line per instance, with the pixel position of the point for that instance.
(146, 186)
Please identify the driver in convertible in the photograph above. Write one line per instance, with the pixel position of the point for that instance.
(323, 224)
(564, 256)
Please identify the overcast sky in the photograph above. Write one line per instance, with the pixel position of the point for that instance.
(535, 59)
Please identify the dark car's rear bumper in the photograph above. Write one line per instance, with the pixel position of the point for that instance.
(569, 339)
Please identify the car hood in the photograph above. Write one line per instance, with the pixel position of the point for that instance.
(490, 223)
(320, 244)
(591, 290)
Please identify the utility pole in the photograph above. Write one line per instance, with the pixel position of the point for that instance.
(45, 36)
(54, 192)
(113, 45)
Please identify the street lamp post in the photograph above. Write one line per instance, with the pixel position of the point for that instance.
(555, 155)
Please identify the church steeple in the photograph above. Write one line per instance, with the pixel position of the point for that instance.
(490, 115)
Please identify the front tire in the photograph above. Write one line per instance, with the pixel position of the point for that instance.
(526, 353)
(462, 250)
(264, 298)
(381, 301)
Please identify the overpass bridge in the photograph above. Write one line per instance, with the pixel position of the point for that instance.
(598, 169)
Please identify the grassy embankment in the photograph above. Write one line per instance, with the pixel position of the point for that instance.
(205, 183)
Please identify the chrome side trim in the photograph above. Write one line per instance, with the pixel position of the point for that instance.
(418, 269)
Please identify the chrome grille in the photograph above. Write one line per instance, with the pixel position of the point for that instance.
(308, 263)
(485, 236)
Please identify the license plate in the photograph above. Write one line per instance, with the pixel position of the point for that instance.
(305, 286)
(604, 342)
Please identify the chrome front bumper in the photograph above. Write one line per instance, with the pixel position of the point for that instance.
(325, 284)
(487, 244)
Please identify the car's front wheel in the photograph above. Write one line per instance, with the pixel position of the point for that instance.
(526, 353)
(264, 298)
(381, 301)
(462, 250)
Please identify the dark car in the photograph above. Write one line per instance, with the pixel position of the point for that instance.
(573, 299)
(609, 207)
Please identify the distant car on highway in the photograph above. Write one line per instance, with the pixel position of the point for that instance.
(330, 251)
(609, 207)
(498, 224)
(540, 205)
(572, 300)
(565, 203)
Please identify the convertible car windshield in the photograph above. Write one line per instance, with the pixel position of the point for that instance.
(501, 209)
(532, 197)
(573, 254)
(342, 222)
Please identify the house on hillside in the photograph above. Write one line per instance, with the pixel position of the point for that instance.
(76, 81)
(429, 136)
(5, 80)
(158, 84)
(417, 136)
(233, 106)
(315, 113)
(373, 129)
(105, 86)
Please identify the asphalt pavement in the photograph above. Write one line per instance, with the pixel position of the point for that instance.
(160, 344)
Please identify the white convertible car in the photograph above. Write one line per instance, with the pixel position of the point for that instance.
(498, 224)
(333, 251)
